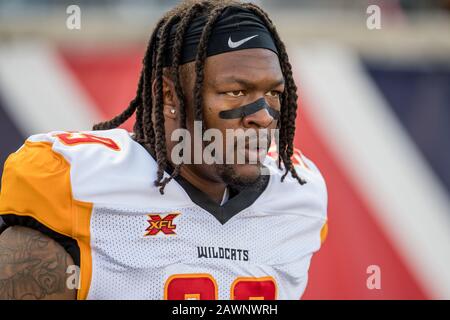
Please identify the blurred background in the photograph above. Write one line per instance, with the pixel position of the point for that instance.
(374, 115)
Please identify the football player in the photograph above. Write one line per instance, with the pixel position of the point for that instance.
(108, 214)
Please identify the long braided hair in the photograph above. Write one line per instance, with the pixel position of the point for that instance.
(152, 135)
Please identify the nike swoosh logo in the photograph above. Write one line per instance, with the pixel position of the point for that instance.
(236, 44)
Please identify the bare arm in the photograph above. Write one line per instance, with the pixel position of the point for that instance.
(33, 266)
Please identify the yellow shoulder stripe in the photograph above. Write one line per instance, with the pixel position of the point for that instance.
(36, 183)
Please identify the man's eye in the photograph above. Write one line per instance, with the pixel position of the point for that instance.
(235, 94)
(273, 93)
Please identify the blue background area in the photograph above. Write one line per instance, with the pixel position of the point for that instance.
(419, 95)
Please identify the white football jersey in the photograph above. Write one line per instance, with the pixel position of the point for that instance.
(97, 187)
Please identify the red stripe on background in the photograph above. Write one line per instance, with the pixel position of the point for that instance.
(109, 76)
(355, 240)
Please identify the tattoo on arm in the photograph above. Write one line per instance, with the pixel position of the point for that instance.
(32, 266)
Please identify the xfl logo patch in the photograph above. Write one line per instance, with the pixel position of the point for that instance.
(159, 224)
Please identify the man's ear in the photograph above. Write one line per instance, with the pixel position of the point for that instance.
(170, 101)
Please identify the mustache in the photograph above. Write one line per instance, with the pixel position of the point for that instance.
(260, 139)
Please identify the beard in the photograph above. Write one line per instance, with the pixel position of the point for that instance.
(238, 181)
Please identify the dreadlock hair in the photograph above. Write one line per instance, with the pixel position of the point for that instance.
(152, 135)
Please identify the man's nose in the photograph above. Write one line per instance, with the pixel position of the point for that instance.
(261, 119)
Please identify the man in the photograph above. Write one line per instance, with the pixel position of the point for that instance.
(141, 224)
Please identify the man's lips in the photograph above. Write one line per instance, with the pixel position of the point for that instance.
(256, 152)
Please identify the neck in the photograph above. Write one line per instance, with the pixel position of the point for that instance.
(214, 189)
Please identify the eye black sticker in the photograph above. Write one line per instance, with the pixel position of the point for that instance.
(249, 109)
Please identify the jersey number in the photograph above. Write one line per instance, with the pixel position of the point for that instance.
(204, 287)
(75, 138)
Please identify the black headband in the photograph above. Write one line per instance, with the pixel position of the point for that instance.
(249, 109)
(235, 29)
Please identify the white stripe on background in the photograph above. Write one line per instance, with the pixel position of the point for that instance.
(375, 151)
(39, 92)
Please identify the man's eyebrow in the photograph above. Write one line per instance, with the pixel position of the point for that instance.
(245, 82)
